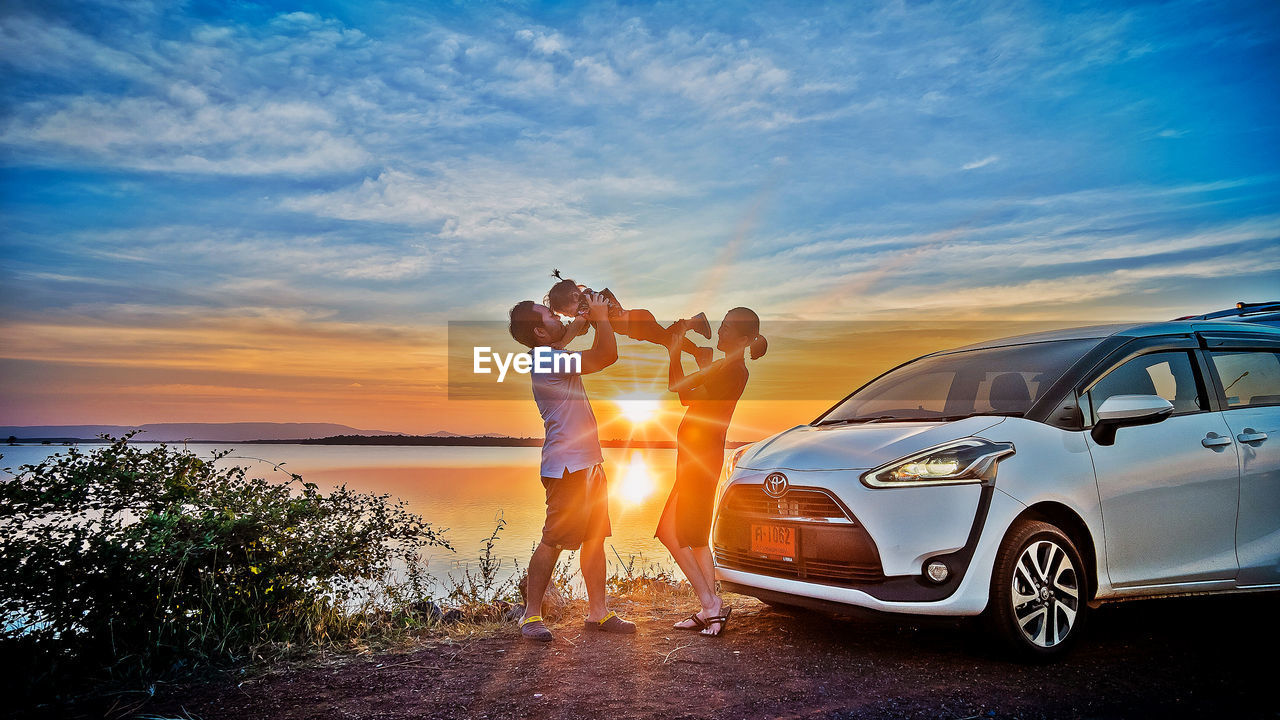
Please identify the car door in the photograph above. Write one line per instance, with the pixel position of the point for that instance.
(1169, 491)
(1249, 381)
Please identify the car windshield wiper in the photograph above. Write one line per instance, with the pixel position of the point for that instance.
(864, 420)
(1015, 413)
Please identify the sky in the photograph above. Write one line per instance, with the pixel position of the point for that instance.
(254, 212)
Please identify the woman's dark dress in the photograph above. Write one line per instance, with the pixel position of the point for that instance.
(700, 452)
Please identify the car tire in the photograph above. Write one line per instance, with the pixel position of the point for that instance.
(1039, 592)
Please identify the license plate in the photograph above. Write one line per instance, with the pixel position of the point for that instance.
(777, 540)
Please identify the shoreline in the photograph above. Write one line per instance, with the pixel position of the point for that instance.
(381, 440)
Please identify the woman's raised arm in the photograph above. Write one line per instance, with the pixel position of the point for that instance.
(690, 387)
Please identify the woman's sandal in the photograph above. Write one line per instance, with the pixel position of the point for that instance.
(722, 619)
(698, 623)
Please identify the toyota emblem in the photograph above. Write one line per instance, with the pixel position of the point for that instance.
(775, 485)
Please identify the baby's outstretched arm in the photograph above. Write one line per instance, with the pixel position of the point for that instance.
(575, 328)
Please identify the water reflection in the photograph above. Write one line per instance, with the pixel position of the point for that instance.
(462, 489)
(468, 500)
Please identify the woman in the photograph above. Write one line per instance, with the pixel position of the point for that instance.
(711, 394)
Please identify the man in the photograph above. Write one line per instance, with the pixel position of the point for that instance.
(572, 466)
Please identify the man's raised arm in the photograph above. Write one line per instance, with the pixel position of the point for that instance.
(604, 348)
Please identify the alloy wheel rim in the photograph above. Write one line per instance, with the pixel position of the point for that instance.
(1046, 593)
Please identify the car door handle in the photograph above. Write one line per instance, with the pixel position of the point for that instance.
(1251, 436)
(1213, 440)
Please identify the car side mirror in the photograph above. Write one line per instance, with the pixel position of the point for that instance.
(1120, 411)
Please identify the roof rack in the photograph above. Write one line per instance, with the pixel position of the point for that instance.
(1245, 307)
(1241, 309)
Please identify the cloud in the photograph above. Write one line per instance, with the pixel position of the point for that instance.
(32, 44)
(245, 254)
(187, 135)
(988, 160)
(542, 42)
(195, 105)
(302, 94)
(1060, 297)
(1040, 246)
(477, 202)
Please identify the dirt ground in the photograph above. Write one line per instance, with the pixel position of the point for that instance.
(1206, 656)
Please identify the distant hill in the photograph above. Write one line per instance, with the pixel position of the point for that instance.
(486, 441)
(304, 433)
(177, 432)
(451, 440)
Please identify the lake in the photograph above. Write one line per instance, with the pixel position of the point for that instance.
(464, 490)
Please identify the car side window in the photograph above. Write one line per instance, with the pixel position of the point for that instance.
(1249, 378)
(1169, 374)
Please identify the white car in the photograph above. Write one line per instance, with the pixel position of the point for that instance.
(1025, 480)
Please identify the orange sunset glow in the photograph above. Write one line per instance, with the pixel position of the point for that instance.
(276, 367)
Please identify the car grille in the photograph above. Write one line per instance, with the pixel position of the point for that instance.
(833, 547)
(795, 503)
(833, 571)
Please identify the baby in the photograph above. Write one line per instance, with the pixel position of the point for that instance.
(568, 298)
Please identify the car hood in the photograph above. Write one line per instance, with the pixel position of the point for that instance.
(855, 447)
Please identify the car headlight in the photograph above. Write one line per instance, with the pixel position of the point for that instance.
(963, 461)
(731, 462)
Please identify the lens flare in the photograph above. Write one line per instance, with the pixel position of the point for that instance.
(636, 482)
(638, 410)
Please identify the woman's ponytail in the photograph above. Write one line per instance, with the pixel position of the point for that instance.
(759, 346)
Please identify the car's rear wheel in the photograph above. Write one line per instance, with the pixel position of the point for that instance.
(1039, 591)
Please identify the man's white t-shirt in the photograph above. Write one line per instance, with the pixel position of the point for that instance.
(572, 441)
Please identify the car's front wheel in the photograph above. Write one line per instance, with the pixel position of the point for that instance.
(1039, 596)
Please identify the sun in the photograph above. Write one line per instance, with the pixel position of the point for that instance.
(636, 482)
(638, 410)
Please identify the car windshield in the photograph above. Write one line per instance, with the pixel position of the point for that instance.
(991, 381)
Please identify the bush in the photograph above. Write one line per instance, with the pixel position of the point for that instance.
(124, 565)
(482, 593)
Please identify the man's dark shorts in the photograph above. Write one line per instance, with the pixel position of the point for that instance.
(577, 508)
